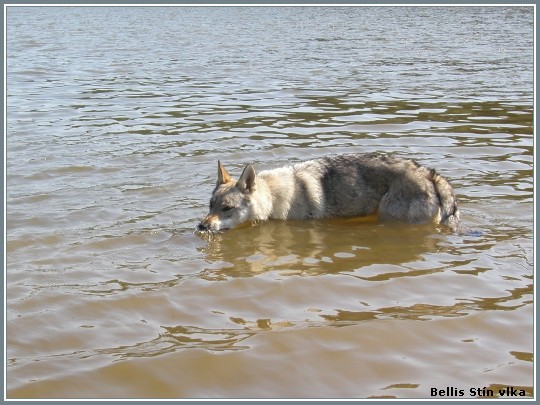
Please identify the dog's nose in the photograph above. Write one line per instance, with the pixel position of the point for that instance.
(201, 227)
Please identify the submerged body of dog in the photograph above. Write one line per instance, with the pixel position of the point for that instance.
(354, 185)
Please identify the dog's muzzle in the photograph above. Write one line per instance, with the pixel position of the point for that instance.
(210, 223)
(201, 227)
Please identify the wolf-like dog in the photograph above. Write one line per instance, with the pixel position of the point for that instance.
(351, 185)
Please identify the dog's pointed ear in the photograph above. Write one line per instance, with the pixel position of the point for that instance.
(246, 183)
(223, 175)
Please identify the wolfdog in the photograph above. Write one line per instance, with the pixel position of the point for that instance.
(350, 185)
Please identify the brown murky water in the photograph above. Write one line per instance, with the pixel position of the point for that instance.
(116, 118)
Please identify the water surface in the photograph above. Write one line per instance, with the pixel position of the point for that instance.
(116, 118)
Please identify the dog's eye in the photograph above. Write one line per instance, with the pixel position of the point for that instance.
(227, 208)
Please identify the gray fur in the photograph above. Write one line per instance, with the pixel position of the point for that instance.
(352, 185)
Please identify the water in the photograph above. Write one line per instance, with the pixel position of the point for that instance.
(116, 119)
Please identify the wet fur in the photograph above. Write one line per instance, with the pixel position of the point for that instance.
(353, 185)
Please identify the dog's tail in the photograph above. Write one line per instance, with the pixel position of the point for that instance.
(447, 201)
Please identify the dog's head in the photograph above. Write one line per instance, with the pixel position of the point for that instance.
(230, 202)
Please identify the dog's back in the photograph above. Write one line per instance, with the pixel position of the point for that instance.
(372, 184)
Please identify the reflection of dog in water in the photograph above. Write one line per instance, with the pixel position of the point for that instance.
(352, 185)
(312, 247)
